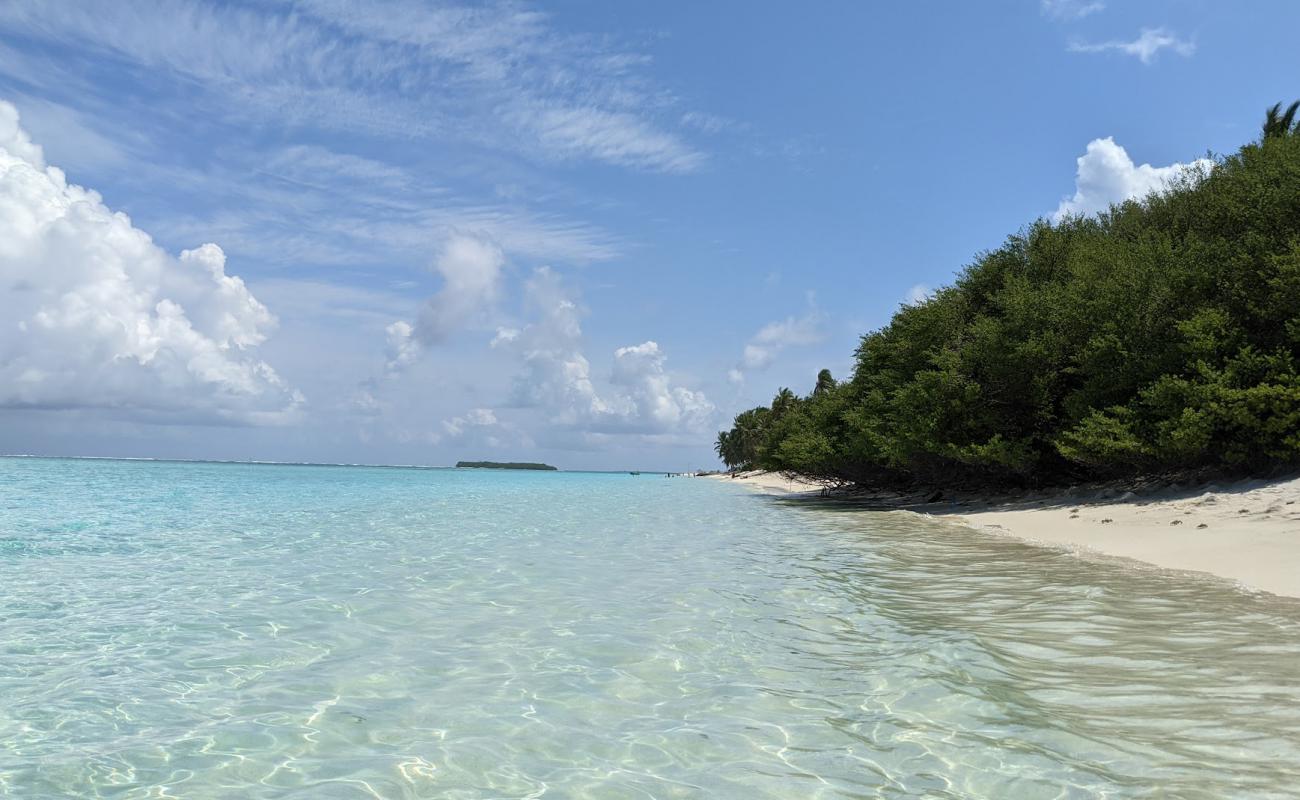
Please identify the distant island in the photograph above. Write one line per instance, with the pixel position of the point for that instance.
(503, 465)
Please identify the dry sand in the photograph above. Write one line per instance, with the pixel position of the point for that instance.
(1247, 531)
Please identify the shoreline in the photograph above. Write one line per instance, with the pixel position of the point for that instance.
(1244, 531)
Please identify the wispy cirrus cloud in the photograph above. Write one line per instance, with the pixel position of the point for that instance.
(498, 74)
(1069, 10)
(1149, 43)
(283, 209)
(618, 137)
(399, 124)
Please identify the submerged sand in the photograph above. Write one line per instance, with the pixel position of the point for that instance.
(1246, 531)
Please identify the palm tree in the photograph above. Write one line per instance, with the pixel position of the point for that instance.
(726, 448)
(783, 401)
(1278, 123)
(748, 436)
(825, 382)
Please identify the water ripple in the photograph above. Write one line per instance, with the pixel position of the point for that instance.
(192, 630)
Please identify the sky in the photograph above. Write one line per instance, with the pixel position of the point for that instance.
(583, 233)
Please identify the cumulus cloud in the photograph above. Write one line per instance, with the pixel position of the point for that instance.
(471, 272)
(1145, 47)
(655, 403)
(98, 316)
(471, 279)
(15, 140)
(1106, 175)
(556, 377)
(768, 342)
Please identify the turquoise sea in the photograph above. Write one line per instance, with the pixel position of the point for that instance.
(252, 631)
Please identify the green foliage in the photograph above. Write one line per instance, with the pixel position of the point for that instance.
(1161, 334)
(825, 383)
(1104, 441)
(1278, 122)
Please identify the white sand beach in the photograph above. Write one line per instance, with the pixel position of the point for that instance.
(774, 483)
(1246, 531)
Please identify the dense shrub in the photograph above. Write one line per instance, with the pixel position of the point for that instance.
(1162, 334)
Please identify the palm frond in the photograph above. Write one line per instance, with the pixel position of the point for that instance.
(1288, 119)
(1272, 118)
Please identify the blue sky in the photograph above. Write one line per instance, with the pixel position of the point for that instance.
(586, 233)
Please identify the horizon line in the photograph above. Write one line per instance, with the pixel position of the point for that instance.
(260, 462)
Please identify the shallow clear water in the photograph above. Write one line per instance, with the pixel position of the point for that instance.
(246, 631)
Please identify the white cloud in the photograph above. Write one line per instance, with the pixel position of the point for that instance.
(616, 137)
(481, 428)
(68, 136)
(1106, 175)
(768, 342)
(639, 372)
(471, 272)
(500, 76)
(918, 294)
(315, 165)
(288, 212)
(756, 356)
(504, 336)
(556, 376)
(708, 123)
(97, 316)
(421, 79)
(16, 141)
(364, 402)
(403, 348)
(1146, 47)
(1071, 9)
(474, 418)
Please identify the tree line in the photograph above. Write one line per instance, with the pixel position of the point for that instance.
(1162, 334)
